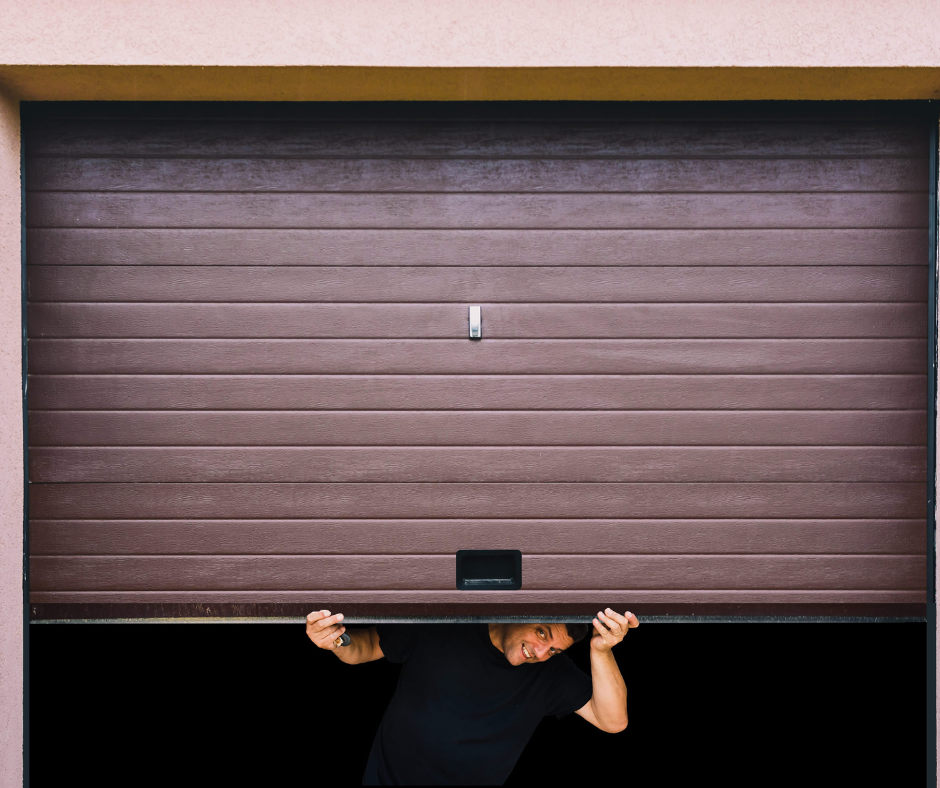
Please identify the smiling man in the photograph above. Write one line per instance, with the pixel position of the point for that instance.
(470, 696)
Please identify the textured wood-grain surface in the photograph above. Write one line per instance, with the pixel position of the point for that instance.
(503, 321)
(476, 211)
(479, 500)
(867, 393)
(702, 377)
(434, 573)
(491, 357)
(382, 176)
(435, 537)
(506, 284)
(487, 428)
(478, 248)
(485, 464)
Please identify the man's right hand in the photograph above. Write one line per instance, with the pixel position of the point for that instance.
(325, 629)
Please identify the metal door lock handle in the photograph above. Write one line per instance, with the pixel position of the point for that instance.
(476, 323)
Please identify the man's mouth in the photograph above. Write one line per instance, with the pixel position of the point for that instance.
(525, 652)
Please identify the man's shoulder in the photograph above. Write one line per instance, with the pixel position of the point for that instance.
(563, 668)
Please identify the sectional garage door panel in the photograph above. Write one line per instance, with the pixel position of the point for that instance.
(468, 429)
(478, 392)
(478, 248)
(432, 536)
(701, 383)
(503, 321)
(374, 136)
(475, 211)
(66, 172)
(531, 285)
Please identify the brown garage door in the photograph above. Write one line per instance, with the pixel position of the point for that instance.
(701, 384)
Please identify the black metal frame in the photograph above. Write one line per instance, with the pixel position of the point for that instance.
(933, 220)
(23, 382)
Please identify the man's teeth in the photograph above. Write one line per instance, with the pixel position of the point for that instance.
(525, 652)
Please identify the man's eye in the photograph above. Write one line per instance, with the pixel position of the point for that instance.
(551, 651)
(541, 633)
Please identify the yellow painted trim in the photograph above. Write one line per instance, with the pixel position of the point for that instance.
(350, 83)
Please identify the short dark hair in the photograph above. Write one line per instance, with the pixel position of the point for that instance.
(577, 631)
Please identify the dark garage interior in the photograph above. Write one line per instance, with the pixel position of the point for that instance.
(818, 704)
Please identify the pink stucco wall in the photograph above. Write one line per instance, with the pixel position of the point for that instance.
(385, 33)
(493, 33)
(11, 452)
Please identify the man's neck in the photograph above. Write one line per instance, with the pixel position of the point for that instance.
(496, 636)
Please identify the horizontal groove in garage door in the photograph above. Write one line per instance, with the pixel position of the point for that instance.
(483, 392)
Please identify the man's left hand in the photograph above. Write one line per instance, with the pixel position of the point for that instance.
(610, 628)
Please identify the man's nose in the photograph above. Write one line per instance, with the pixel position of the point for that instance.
(541, 650)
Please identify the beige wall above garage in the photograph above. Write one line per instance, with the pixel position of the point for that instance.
(491, 49)
(486, 33)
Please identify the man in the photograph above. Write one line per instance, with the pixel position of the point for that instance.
(470, 696)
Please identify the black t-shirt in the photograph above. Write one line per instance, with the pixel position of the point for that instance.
(461, 714)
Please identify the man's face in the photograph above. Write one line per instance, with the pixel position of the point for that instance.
(533, 642)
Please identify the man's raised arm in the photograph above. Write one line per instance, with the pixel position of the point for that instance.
(325, 630)
(607, 708)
